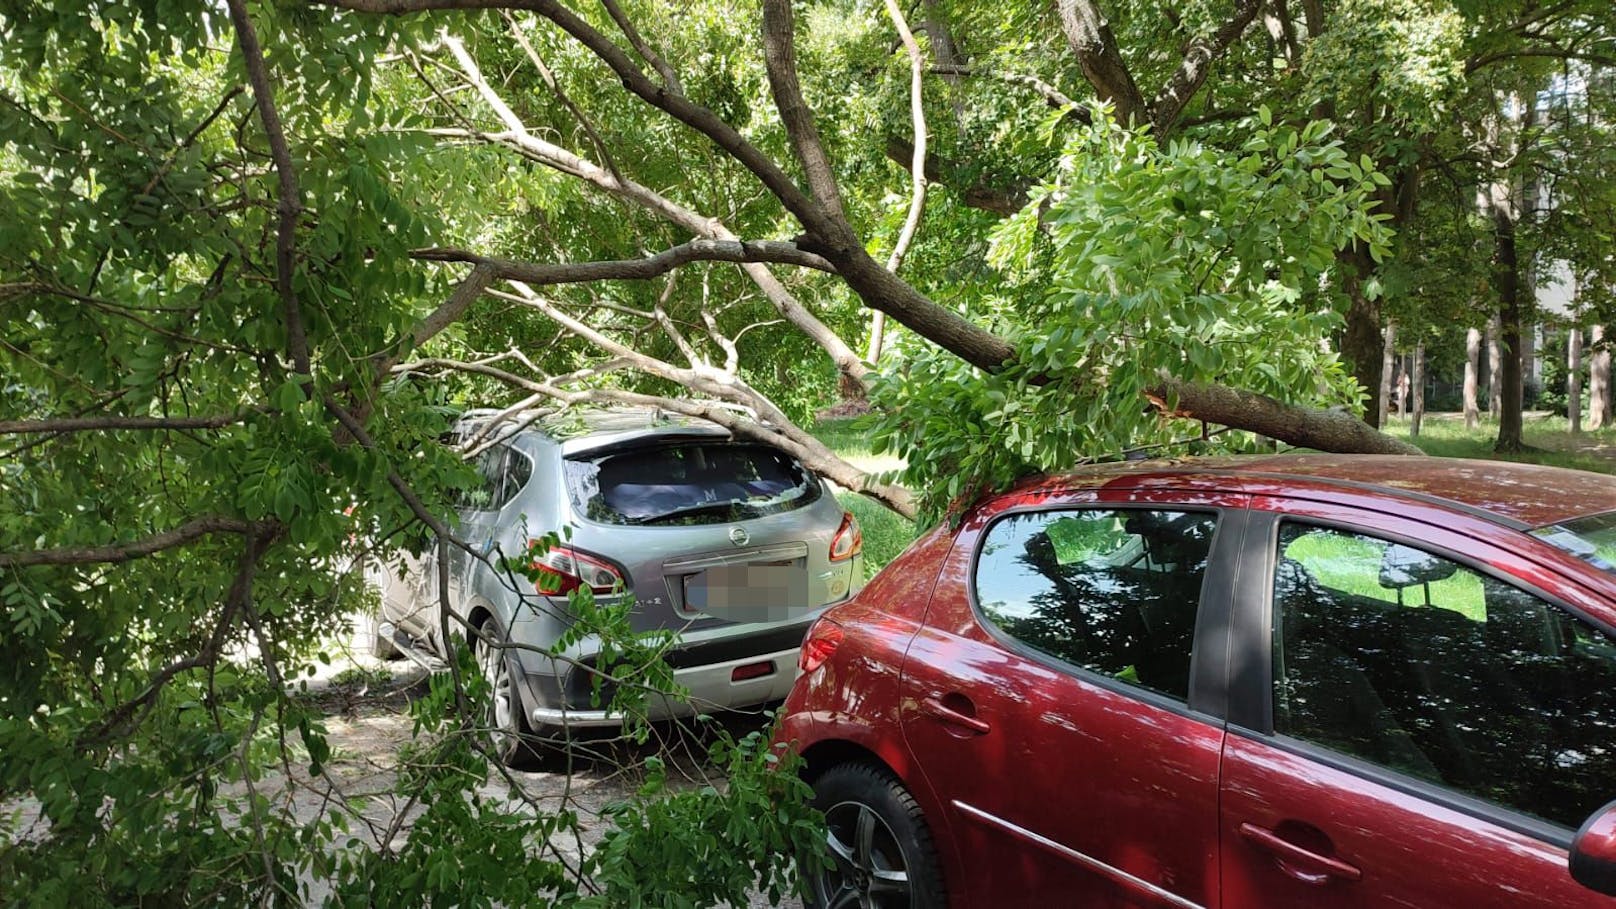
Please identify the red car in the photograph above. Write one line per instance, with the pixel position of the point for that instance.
(1293, 681)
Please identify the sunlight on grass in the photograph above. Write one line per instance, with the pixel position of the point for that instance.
(1552, 444)
(886, 534)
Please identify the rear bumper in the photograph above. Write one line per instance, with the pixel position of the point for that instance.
(711, 685)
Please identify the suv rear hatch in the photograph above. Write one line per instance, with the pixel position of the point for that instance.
(711, 532)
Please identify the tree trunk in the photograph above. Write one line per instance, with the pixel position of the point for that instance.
(1361, 342)
(1472, 409)
(1384, 400)
(1325, 430)
(1417, 411)
(1574, 378)
(1495, 370)
(1507, 278)
(1598, 380)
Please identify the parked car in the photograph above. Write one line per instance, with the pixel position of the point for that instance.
(734, 543)
(1293, 681)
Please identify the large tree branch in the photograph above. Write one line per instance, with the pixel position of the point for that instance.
(634, 269)
(663, 98)
(917, 169)
(291, 203)
(114, 421)
(780, 61)
(519, 137)
(192, 530)
(1307, 427)
(1192, 71)
(1090, 37)
(811, 452)
(642, 47)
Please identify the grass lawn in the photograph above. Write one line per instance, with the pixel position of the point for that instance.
(885, 533)
(1444, 434)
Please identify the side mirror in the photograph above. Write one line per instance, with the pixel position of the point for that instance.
(1593, 852)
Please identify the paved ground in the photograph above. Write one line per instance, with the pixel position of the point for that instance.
(368, 724)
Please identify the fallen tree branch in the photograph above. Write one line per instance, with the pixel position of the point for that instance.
(1304, 427)
(652, 266)
(191, 530)
(609, 179)
(917, 169)
(91, 424)
(811, 452)
(290, 204)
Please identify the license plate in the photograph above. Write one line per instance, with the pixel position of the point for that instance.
(754, 592)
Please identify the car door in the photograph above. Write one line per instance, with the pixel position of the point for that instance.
(1418, 726)
(1063, 699)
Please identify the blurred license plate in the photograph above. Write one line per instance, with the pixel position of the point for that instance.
(756, 592)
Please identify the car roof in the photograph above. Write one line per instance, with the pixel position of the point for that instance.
(1523, 495)
(591, 429)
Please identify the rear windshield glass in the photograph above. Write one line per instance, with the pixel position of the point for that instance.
(1592, 539)
(691, 483)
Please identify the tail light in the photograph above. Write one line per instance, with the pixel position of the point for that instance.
(824, 636)
(849, 539)
(563, 569)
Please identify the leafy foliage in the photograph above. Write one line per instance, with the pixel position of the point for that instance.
(1133, 261)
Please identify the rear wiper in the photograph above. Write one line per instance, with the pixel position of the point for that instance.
(704, 508)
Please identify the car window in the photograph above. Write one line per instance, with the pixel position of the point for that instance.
(689, 483)
(489, 492)
(1417, 663)
(1113, 591)
(518, 470)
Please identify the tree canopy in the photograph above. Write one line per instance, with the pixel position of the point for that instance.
(255, 256)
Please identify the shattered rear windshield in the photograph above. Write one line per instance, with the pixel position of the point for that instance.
(690, 483)
(1592, 539)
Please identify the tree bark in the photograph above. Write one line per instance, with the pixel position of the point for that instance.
(1192, 71)
(1361, 343)
(1598, 380)
(1507, 278)
(1090, 37)
(1472, 408)
(1325, 430)
(1495, 370)
(1388, 339)
(1417, 390)
(1574, 378)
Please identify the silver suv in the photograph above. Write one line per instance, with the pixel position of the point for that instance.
(734, 543)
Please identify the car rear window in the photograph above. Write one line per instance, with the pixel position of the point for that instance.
(1591, 538)
(689, 483)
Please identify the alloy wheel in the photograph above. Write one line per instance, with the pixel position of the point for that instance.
(869, 871)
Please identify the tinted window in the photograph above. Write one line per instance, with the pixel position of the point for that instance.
(490, 464)
(692, 483)
(1412, 661)
(501, 475)
(1114, 591)
(1591, 538)
(518, 470)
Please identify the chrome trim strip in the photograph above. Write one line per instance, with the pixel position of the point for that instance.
(1137, 885)
(776, 552)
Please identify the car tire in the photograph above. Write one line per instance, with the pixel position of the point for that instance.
(881, 849)
(509, 733)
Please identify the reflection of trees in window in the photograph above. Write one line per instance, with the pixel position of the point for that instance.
(1481, 687)
(1121, 603)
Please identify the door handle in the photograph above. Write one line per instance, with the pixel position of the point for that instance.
(1303, 864)
(935, 708)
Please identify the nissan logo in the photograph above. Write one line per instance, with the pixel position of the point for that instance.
(737, 535)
